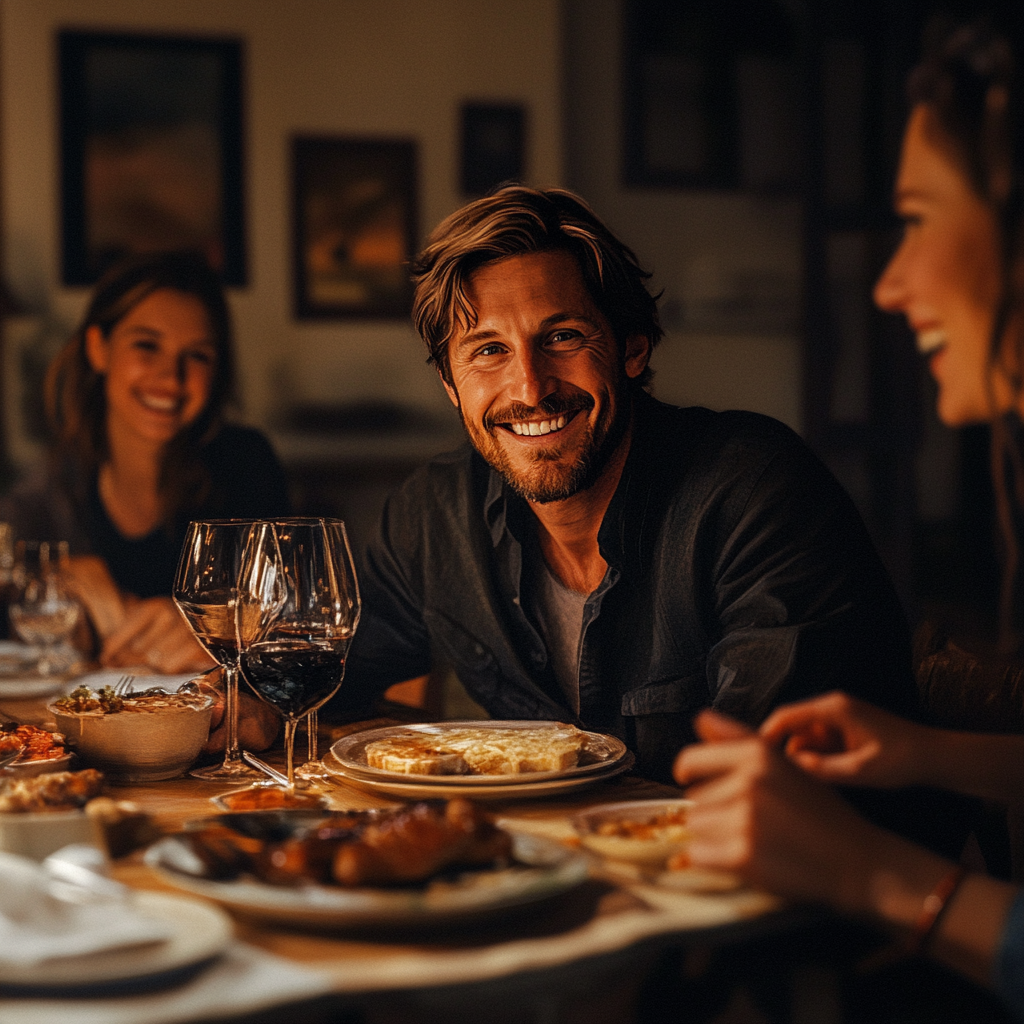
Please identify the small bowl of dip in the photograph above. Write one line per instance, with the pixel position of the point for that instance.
(140, 738)
(645, 832)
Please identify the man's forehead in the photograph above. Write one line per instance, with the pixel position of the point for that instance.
(551, 275)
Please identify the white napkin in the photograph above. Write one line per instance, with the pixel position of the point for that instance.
(43, 918)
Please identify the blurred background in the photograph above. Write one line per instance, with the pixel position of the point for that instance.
(744, 148)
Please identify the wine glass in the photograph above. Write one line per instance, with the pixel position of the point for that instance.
(205, 591)
(44, 613)
(297, 611)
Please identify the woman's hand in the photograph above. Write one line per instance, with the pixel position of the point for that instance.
(837, 738)
(756, 814)
(154, 634)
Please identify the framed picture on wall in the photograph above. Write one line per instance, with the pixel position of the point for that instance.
(354, 218)
(151, 150)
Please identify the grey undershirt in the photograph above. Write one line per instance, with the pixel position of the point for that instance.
(558, 612)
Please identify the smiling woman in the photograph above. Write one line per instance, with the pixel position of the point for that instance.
(136, 402)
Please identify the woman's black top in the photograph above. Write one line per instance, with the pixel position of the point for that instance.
(245, 480)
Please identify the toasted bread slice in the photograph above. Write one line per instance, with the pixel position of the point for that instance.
(414, 755)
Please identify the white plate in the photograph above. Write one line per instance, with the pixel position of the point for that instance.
(547, 868)
(350, 752)
(41, 766)
(526, 789)
(200, 932)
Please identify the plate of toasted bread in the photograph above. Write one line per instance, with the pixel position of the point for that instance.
(489, 759)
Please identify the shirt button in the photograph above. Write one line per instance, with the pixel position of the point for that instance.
(515, 600)
(478, 649)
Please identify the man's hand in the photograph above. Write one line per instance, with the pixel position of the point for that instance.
(258, 724)
(837, 738)
(758, 815)
(154, 634)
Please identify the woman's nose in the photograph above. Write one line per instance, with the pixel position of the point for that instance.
(890, 289)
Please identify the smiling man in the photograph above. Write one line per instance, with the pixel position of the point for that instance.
(595, 556)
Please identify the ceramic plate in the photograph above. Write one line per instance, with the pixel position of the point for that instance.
(601, 753)
(42, 766)
(546, 868)
(200, 932)
(437, 786)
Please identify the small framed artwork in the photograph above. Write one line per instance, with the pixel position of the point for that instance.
(493, 146)
(151, 150)
(354, 226)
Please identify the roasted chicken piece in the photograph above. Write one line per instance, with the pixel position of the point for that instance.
(419, 841)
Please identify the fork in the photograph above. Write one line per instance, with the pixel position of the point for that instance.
(123, 686)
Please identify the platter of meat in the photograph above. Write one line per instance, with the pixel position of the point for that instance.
(490, 759)
(42, 751)
(419, 863)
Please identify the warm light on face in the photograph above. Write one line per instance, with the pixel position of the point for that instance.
(945, 275)
(158, 362)
(538, 379)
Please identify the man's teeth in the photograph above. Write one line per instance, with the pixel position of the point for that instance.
(931, 340)
(535, 429)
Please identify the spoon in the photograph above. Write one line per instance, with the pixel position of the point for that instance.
(253, 760)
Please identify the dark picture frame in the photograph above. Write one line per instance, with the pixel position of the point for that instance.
(713, 95)
(354, 220)
(151, 150)
(493, 145)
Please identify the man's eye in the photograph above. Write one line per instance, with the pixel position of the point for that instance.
(201, 356)
(565, 337)
(489, 350)
(145, 345)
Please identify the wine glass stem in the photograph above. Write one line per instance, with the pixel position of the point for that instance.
(311, 727)
(232, 753)
(289, 745)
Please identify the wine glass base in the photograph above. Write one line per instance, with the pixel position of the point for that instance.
(313, 771)
(229, 772)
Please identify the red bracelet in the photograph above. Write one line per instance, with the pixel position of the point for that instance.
(933, 907)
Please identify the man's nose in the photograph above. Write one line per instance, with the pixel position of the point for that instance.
(532, 377)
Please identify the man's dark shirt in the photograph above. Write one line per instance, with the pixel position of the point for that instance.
(740, 577)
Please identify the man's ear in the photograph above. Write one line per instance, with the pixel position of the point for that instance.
(638, 354)
(97, 349)
(452, 393)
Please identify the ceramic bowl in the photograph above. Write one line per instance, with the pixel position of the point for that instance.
(37, 835)
(646, 832)
(138, 746)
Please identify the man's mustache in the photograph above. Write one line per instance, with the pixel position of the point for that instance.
(555, 405)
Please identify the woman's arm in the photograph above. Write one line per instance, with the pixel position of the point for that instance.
(758, 815)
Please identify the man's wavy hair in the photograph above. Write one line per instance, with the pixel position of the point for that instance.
(514, 221)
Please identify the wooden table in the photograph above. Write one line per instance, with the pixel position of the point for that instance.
(582, 956)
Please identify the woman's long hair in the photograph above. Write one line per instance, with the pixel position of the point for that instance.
(75, 394)
(971, 81)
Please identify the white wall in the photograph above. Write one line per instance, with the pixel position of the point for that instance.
(692, 240)
(361, 67)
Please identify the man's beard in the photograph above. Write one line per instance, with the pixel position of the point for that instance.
(548, 478)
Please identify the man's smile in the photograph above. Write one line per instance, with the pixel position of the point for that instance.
(535, 428)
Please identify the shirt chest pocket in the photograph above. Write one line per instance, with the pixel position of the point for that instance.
(466, 652)
(682, 695)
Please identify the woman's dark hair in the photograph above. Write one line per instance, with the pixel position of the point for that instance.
(75, 394)
(513, 221)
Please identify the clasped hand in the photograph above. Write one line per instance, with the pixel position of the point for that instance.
(759, 811)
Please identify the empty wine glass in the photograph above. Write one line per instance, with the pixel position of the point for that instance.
(205, 591)
(44, 613)
(298, 608)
